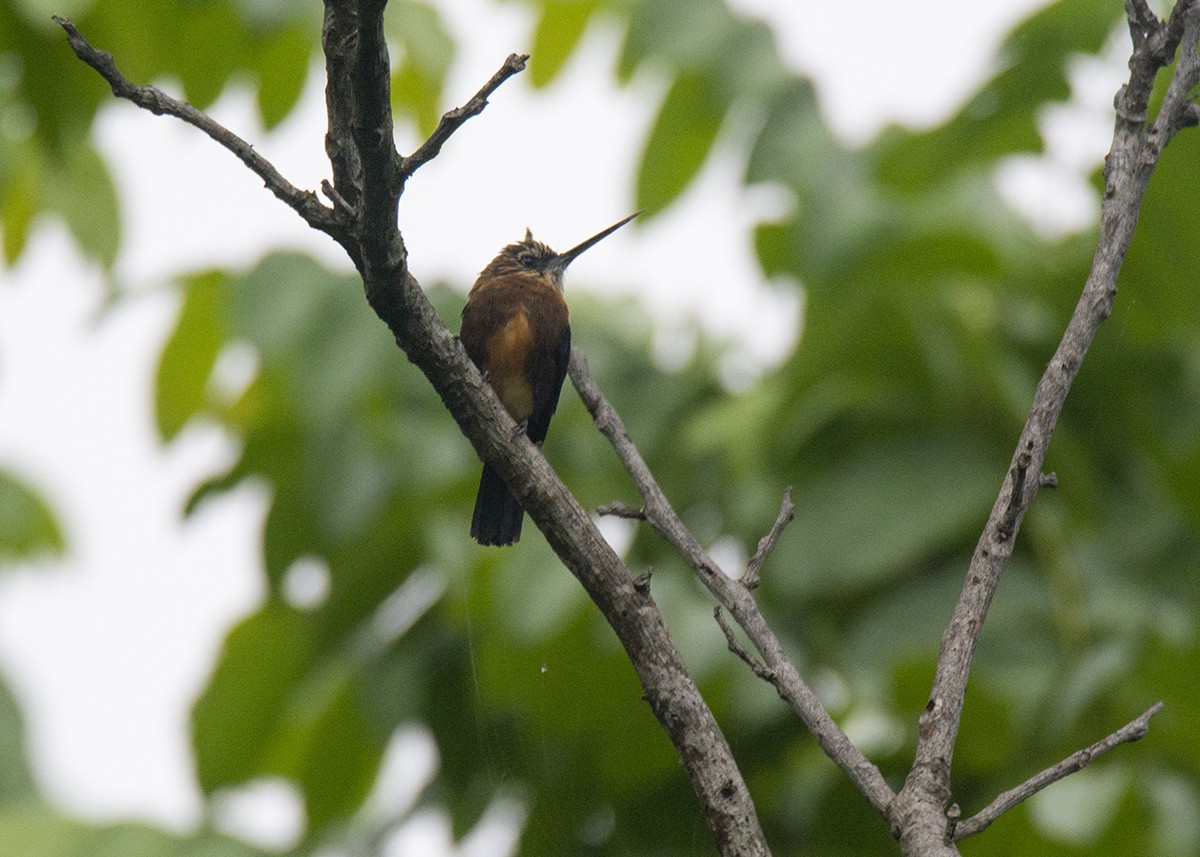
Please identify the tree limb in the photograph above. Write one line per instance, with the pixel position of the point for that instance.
(735, 646)
(383, 261)
(339, 38)
(629, 609)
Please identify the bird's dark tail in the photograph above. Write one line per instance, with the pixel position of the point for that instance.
(498, 515)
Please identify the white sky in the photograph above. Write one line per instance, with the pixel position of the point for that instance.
(108, 648)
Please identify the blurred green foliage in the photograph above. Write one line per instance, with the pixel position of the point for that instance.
(930, 312)
(27, 525)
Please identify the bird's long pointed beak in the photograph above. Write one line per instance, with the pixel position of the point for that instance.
(563, 259)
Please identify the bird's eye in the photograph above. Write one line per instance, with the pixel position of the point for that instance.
(527, 260)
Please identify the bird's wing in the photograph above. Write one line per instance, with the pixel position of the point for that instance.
(545, 404)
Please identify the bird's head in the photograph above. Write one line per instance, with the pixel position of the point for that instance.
(533, 258)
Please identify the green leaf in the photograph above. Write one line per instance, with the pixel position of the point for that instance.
(27, 526)
(687, 43)
(16, 779)
(37, 12)
(419, 72)
(1003, 117)
(273, 708)
(1162, 250)
(417, 96)
(181, 382)
(205, 45)
(871, 515)
(35, 830)
(679, 142)
(82, 191)
(427, 44)
(236, 720)
(282, 66)
(558, 33)
(204, 71)
(61, 91)
(333, 753)
(20, 200)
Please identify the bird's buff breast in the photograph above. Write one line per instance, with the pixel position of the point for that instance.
(507, 352)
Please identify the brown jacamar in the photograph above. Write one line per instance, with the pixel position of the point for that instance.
(516, 328)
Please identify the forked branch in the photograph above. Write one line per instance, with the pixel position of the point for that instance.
(734, 595)
(1136, 148)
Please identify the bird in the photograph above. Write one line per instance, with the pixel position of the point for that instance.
(517, 331)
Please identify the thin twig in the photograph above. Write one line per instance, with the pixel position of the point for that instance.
(618, 509)
(1178, 107)
(303, 202)
(1132, 731)
(735, 645)
(453, 119)
(787, 511)
(339, 202)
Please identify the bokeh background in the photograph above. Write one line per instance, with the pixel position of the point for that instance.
(239, 613)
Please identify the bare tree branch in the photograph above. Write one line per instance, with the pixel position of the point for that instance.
(1142, 21)
(1130, 163)
(383, 263)
(303, 202)
(1132, 731)
(340, 204)
(1008, 523)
